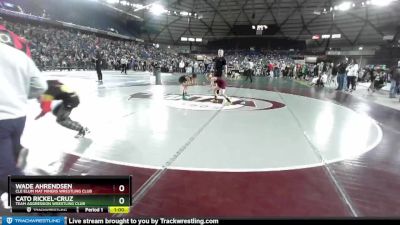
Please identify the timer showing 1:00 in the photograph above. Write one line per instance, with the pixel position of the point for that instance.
(118, 209)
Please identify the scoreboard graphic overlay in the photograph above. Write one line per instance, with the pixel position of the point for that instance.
(75, 194)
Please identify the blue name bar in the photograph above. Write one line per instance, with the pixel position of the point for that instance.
(32, 220)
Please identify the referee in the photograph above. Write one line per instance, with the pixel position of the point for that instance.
(220, 67)
(99, 62)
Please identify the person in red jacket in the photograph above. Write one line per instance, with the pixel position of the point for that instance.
(70, 100)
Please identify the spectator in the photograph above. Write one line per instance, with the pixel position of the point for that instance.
(20, 80)
(395, 80)
(352, 74)
(341, 75)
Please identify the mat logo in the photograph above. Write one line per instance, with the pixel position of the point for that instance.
(206, 103)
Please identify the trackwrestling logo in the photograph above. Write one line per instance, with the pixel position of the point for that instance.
(204, 102)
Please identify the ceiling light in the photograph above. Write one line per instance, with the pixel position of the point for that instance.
(112, 1)
(344, 6)
(157, 9)
(381, 2)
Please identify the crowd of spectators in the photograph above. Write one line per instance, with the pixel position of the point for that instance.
(60, 48)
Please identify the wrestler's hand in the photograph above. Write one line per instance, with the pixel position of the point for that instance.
(40, 115)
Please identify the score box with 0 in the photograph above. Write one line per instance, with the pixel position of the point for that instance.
(80, 200)
(86, 191)
(56, 185)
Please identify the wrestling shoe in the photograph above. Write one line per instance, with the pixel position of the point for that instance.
(82, 133)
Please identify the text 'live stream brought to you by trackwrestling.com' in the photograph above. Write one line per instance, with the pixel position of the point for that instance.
(143, 221)
(31, 220)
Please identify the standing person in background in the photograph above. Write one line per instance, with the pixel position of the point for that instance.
(395, 80)
(124, 64)
(20, 80)
(249, 69)
(294, 71)
(182, 66)
(316, 70)
(220, 66)
(99, 62)
(304, 71)
(131, 61)
(352, 74)
(321, 68)
(334, 73)
(341, 74)
(276, 70)
(372, 77)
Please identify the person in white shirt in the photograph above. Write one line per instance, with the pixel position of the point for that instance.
(20, 80)
(124, 64)
(352, 74)
(181, 66)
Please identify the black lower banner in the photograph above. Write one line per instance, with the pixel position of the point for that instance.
(206, 221)
(60, 220)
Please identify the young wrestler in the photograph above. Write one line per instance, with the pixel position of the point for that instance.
(219, 86)
(70, 100)
(186, 81)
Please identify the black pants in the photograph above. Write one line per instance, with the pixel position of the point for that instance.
(124, 66)
(320, 83)
(249, 74)
(10, 145)
(351, 80)
(62, 113)
(99, 74)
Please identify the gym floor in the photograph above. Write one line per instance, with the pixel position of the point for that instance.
(281, 149)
